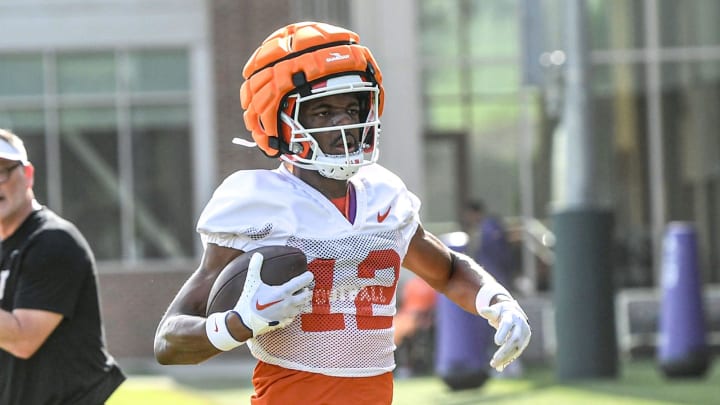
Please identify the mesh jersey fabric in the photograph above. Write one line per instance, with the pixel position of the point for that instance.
(346, 331)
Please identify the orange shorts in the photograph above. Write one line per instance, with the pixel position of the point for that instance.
(279, 385)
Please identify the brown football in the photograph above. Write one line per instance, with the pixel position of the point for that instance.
(280, 264)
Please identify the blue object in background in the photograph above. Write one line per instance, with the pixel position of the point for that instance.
(494, 252)
(461, 338)
(682, 349)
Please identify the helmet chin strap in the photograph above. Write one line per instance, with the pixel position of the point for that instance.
(340, 167)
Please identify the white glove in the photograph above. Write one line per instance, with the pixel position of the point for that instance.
(513, 331)
(264, 307)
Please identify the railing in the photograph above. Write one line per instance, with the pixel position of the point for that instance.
(537, 242)
(535, 238)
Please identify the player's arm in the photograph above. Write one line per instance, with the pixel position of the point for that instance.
(181, 336)
(457, 277)
(463, 281)
(23, 331)
(186, 336)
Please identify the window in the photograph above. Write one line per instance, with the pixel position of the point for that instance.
(471, 73)
(109, 134)
(473, 86)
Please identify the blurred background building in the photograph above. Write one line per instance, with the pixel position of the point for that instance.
(128, 109)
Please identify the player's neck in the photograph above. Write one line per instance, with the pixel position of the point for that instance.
(328, 187)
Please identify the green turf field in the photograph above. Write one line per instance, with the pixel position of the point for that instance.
(640, 383)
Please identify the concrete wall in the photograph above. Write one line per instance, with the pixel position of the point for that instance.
(132, 305)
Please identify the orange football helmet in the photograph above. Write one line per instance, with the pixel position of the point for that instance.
(302, 62)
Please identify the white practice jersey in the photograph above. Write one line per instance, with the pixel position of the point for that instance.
(347, 330)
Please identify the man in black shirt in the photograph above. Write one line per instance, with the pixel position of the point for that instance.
(52, 348)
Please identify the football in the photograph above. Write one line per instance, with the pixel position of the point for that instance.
(280, 264)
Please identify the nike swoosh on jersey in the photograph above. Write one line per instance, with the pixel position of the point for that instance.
(381, 217)
(260, 306)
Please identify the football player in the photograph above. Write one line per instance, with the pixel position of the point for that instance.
(313, 98)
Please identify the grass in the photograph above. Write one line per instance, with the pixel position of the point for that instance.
(640, 383)
(141, 390)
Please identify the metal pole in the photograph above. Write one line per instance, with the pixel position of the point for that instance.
(582, 276)
(658, 209)
(526, 189)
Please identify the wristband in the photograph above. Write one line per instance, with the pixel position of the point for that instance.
(487, 292)
(218, 333)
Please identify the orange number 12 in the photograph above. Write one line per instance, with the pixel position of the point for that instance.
(320, 319)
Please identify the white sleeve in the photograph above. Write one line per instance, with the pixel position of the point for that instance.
(243, 211)
(411, 206)
(386, 189)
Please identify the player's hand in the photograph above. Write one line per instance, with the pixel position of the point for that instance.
(513, 331)
(263, 307)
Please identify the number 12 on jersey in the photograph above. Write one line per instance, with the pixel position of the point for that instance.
(321, 320)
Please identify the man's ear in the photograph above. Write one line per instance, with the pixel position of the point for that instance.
(29, 174)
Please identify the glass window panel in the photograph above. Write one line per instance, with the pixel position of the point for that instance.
(90, 185)
(87, 117)
(689, 23)
(488, 79)
(444, 114)
(709, 72)
(86, 73)
(690, 74)
(615, 24)
(163, 183)
(440, 158)
(438, 25)
(714, 224)
(494, 168)
(602, 83)
(492, 29)
(619, 126)
(694, 99)
(552, 18)
(154, 117)
(22, 120)
(21, 75)
(488, 116)
(618, 79)
(159, 70)
(442, 81)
